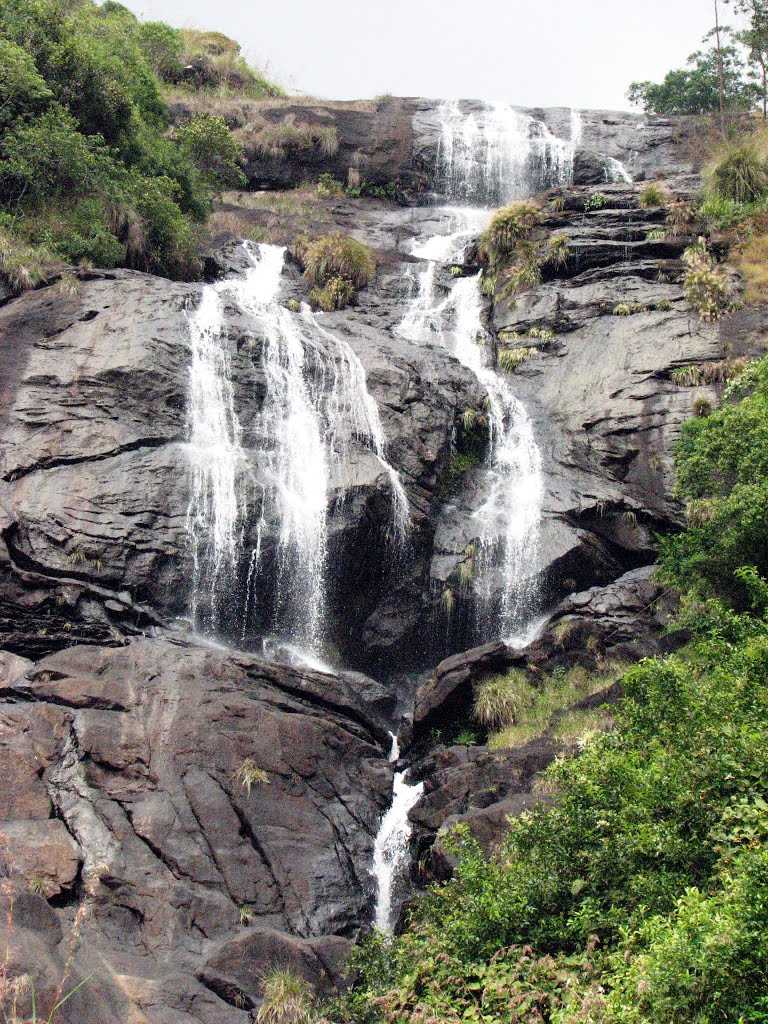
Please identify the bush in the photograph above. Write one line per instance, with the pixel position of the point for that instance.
(498, 700)
(653, 195)
(286, 998)
(22, 88)
(335, 294)
(722, 459)
(706, 288)
(212, 148)
(338, 256)
(277, 140)
(751, 260)
(511, 358)
(22, 266)
(508, 226)
(740, 174)
(164, 49)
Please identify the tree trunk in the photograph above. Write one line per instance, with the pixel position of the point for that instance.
(720, 73)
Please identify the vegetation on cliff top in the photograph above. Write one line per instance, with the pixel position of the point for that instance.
(90, 171)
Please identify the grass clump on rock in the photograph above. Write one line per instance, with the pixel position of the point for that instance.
(653, 195)
(338, 266)
(287, 998)
(509, 226)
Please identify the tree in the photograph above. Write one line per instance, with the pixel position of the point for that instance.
(212, 148)
(755, 38)
(697, 89)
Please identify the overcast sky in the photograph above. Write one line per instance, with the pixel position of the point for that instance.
(579, 53)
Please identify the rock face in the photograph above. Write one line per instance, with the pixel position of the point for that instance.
(135, 805)
(180, 816)
(395, 140)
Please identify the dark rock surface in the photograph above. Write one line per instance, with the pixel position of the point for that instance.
(129, 805)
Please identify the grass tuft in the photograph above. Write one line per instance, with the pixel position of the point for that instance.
(287, 998)
(249, 775)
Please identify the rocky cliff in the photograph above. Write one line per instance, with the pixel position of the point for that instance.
(182, 813)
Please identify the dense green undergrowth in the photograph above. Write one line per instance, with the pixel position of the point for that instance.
(640, 895)
(90, 171)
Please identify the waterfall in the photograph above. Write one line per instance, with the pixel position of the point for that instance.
(390, 851)
(616, 171)
(316, 410)
(217, 507)
(495, 154)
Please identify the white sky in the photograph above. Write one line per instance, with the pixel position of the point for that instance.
(580, 53)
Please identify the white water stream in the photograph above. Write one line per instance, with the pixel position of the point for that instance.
(390, 852)
(316, 410)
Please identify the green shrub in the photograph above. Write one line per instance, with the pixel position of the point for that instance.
(508, 227)
(622, 309)
(214, 151)
(706, 287)
(22, 266)
(277, 140)
(163, 47)
(596, 201)
(286, 998)
(557, 251)
(499, 699)
(511, 358)
(653, 195)
(722, 459)
(335, 294)
(328, 187)
(741, 174)
(23, 90)
(338, 256)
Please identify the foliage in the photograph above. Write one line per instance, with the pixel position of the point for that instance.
(87, 169)
(218, 65)
(653, 195)
(557, 251)
(639, 892)
(214, 151)
(328, 187)
(511, 358)
(338, 256)
(705, 285)
(723, 459)
(595, 201)
(22, 266)
(498, 699)
(510, 225)
(277, 140)
(337, 293)
(740, 171)
(286, 998)
(751, 260)
(695, 89)
(250, 775)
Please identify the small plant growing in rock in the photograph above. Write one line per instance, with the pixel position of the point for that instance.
(338, 255)
(293, 305)
(702, 407)
(335, 294)
(498, 700)
(511, 358)
(680, 218)
(656, 235)
(557, 251)
(466, 738)
(488, 284)
(597, 201)
(456, 271)
(328, 187)
(706, 288)
(622, 309)
(249, 775)
(246, 915)
(663, 306)
(543, 334)
(448, 601)
(286, 998)
(508, 226)
(466, 573)
(524, 274)
(686, 376)
(653, 195)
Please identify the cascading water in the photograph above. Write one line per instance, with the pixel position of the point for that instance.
(494, 154)
(316, 409)
(390, 852)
